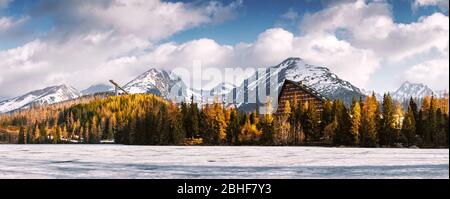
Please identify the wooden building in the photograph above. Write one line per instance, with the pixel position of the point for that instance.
(291, 91)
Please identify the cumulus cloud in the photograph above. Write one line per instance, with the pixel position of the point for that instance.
(271, 47)
(434, 73)
(150, 19)
(371, 26)
(42, 63)
(92, 41)
(9, 23)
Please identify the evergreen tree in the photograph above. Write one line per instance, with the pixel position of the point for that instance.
(440, 131)
(37, 133)
(176, 131)
(342, 133)
(311, 122)
(185, 111)
(233, 128)
(43, 133)
(87, 131)
(432, 123)
(327, 116)
(29, 137)
(414, 108)
(194, 113)
(267, 125)
(355, 121)
(446, 128)
(21, 139)
(57, 135)
(220, 124)
(387, 127)
(111, 127)
(425, 126)
(369, 121)
(409, 126)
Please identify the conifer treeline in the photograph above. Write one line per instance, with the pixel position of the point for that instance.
(145, 119)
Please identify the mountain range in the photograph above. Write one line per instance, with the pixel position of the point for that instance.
(320, 79)
(98, 88)
(49, 95)
(170, 86)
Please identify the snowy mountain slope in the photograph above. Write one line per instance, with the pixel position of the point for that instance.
(407, 90)
(161, 83)
(414, 90)
(320, 79)
(370, 92)
(49, 95)
(221, 89)
(220, 92)
(98, 88)
(171, 87)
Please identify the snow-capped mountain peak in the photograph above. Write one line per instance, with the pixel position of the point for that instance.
(162, 83)
(290, 62)
(414, 90)
(152, 81)
(319, 78)
(48, 95)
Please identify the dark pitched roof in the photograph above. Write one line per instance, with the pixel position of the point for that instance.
(304, 88)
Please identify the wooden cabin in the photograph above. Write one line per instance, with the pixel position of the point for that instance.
(292, 90)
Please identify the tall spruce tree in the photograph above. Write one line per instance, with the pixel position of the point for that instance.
(387, 127)
(432, 122)
(267, 125)
(342, 133)
(194, 115)
(28, 137)
(21, 139)
(409, 126)
(424, 116)
(439, 131)
(355, 121)
(311, 122)
(233, 128)
(369, 122)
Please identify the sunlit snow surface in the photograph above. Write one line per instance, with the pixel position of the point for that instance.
(120, 161)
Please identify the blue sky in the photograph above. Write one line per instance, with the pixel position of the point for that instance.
(258, 16)
(45, 36)
(253, 18)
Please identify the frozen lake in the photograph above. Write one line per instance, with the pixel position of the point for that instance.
(120, 161)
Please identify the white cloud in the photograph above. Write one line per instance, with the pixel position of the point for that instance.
(8, 23)
(370, 26)
(434, 73)
(93, 41)
(76, 61)
(271, 47)
(442, 4)
(149, 19)
(96, 41)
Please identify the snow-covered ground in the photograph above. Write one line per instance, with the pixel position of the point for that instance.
(120, 161)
